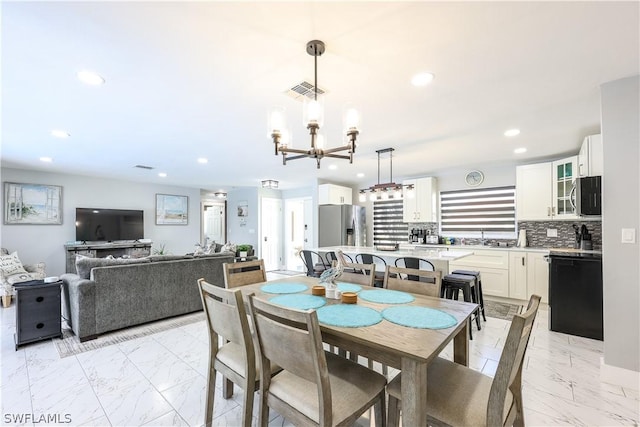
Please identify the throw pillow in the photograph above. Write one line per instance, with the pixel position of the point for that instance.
(10, 264)
(22, 277)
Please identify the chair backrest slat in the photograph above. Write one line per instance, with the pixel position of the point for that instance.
(361, 274)
(400, 279)
(509, 372)
(244, 273)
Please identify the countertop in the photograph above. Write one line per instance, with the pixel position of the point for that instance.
(434, 253)
(496, 248)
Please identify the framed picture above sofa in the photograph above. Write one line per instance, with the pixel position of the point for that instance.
(172, 209)
(32, 204)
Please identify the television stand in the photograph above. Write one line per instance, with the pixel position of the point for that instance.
(134, 249)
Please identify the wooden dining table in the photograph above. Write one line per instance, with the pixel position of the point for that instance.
(406, 348)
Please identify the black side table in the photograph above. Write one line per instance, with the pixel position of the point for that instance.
(37, 311)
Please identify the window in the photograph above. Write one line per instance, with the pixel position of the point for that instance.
(469, 212)
(388, 227)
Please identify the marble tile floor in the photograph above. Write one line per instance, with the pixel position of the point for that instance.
(159, 380)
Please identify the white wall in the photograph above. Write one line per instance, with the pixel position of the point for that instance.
(621, 194)
(36, 243)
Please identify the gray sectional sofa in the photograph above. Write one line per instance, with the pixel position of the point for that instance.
(107, 295)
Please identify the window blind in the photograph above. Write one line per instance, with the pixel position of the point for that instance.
(482, 209)
(388, 227)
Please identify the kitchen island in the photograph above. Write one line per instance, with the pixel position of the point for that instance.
(439, 258)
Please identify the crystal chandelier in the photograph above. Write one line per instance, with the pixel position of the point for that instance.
(387, 190)
(313, 119)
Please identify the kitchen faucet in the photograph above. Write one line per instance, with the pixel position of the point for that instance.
(482, 241)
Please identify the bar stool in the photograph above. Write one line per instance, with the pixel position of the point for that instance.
(452, 284)
(478, 287)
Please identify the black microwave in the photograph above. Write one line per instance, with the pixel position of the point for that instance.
(588, 192)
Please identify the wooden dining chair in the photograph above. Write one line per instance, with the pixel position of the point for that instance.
(244, 273)
(360, 274)
(231, 350)
(315, 388)
(426, 282)
(460, 396)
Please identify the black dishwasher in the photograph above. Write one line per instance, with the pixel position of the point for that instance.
(575, 294)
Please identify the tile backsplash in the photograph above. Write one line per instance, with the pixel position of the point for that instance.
(537, 233)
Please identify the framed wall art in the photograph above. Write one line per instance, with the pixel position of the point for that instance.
(172, 209)
(32, 204)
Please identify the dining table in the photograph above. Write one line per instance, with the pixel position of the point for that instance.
(408, 347)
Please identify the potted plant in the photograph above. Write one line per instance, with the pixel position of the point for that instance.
(243, 250)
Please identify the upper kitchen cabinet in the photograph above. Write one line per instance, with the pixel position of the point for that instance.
(590, 158)
(544, 190)
(423, 206)
(331, 194)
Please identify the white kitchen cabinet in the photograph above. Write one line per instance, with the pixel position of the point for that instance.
(590, 157)
(493, 266)
(422, 207)
(544, 190)
(564, 176)
(533, 192)
(528, 274)
(331, 194)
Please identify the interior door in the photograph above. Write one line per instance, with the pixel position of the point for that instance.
(295, 232)
(213, 222)
(270, 232)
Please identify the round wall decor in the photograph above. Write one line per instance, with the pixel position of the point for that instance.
(474, 178)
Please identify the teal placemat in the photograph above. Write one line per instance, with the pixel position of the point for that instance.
(348, 287)
(348, 315)
(299, 301)
(283, 288)
(419, 317)
(386, 296)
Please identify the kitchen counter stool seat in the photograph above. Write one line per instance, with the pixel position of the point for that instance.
(478, 288)
(451, 286)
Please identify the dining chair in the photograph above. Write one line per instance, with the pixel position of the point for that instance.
(313, 263)
(231, 349)
(244, 273)
(315, 388)
(426, 282)
(331, 256)
(360, 274)
(415, 263)
(464, 397)
(373, 259)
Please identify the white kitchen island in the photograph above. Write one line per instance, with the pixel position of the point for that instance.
(439, 258)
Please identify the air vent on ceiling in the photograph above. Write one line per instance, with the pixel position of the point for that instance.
(301, 89)
(144, 167)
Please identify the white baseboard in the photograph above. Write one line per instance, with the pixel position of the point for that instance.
(619, 376)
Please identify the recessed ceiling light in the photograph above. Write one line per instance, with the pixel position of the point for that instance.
(422, 79)
(60, 133)
(162, 175)
(46, 159)
(333, 167)
(512, 132)
(203, 160)
(360, 175)
(520, 150)
(90, 78)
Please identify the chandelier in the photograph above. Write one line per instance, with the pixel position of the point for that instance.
(387, 190)
(313, 112)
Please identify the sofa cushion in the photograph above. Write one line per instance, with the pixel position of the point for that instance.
(85, 264)
(156, 258)
(22, 277)
(10, 264)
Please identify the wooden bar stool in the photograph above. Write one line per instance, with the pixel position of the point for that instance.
(451, 286)
(478, 288)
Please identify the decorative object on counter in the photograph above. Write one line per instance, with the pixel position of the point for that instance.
(318, 290)
(386, 190)
(349, 297)
(314, 117)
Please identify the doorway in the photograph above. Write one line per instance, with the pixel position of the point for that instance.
(270, 232)
(214, 222)
(297, 219)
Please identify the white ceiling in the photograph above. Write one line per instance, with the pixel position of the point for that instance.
(196, 79)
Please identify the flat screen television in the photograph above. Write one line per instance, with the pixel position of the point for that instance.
(94, 224)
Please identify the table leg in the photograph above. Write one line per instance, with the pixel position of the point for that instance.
(414, 392)
(461, 346)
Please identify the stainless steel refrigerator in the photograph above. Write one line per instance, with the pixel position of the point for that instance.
(341, 225)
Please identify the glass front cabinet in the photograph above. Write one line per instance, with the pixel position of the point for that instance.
(564, 176)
